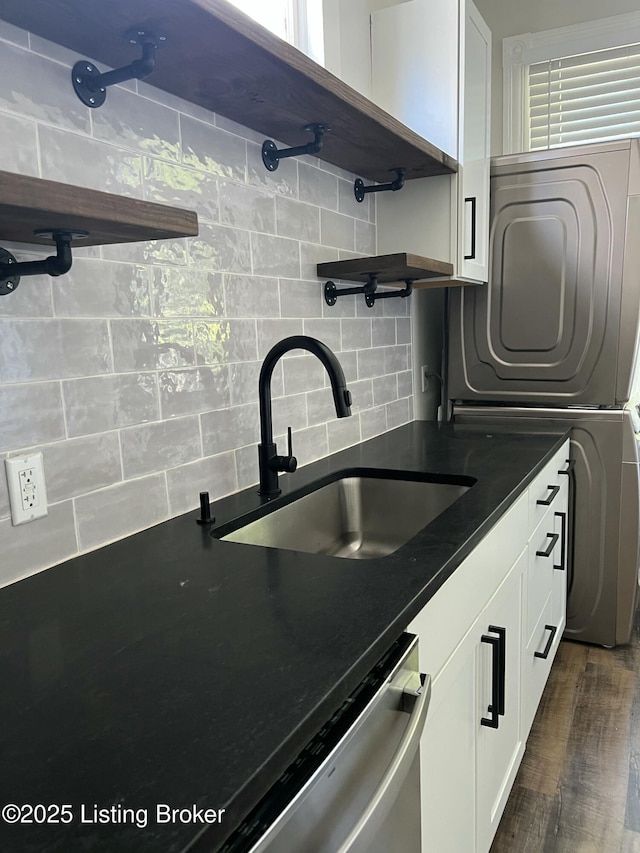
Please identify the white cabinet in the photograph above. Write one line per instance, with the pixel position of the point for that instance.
(475, 139)
(445, 217)
(484, 641)
(414, 68)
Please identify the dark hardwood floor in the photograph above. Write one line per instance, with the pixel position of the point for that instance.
(578, 788)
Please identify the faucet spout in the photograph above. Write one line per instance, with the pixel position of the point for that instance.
(269, 461)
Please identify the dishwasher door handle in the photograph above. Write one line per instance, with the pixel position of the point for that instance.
(390, 785)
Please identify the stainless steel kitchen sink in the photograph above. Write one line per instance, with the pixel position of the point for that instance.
(358, 516)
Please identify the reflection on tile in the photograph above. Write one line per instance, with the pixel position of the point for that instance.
(243, 381)
(168, 183)
(317, 187)
(228, 429)
(152, 344)
(283, 181)
(212, 150)
(337, 230)
(134, 122)
(31, 414)
(397, 413)
(183, 392)
(275, 256)
(300, 298)
(21, 302)
(229, 341)
(221, 248)
(250, 296)
(312, 254)
(30, 547)
(19, 145)
(216, 475)
(84, 162)
(161, 445)
(373, 422)
(233, 127)
(186, 292)
(107, 402)
(171, 252)
(244, 207)
(343, 432)
(36, 87)
(120, 510)
(94, 288)
(53, 349)
(297, 220)
(80, 465)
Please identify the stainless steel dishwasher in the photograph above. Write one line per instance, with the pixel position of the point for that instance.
(355, 787)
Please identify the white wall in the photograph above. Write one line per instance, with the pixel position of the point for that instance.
(512, 17)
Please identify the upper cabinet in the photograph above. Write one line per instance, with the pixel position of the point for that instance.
(450, 98)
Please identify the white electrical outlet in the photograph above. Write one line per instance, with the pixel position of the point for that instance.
(27, 491)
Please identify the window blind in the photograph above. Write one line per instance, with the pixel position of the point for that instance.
(586, 98)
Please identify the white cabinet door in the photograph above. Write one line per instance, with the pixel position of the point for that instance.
(447, 756)
(414, 68)
(475, 136)
(499, 746)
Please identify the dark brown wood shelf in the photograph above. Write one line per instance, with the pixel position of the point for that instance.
(27, 204)
(217, 57)
(393, 269)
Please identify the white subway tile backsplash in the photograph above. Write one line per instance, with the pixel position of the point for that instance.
(184, 392)
(43, 543)
(102, 403)
(161, 445)
(119, 510)
(136, 374)
(97, 288)
(215, 474)
(74, 159)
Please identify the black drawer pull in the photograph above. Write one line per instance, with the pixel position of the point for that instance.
(553, 541)
(545, 654)
(498, 675)
(571, 464)
(548, 501)
(473, 201)
(563, 540)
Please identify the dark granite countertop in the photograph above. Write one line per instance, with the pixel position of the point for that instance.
(173, 668)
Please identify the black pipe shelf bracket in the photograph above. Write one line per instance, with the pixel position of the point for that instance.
(360, 191)
(11, 271)
(271, 156)
(91, 86)
(369, 290)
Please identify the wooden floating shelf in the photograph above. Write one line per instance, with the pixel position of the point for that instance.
(217, 57)
(393, 269)
(27, 204)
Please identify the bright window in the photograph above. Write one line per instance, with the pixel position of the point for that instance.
(297, 21)
(572, 85)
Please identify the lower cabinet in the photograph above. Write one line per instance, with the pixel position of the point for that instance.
(488, 639)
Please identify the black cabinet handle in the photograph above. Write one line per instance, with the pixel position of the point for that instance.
(553, 541)
(498, 675)
(473, 201)
(548, 501)
(571, 464)
(563, 540)
(545, 654)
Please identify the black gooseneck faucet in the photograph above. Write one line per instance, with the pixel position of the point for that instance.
(268, 460)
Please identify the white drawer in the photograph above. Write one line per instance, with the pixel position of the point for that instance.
(544, 491)
(544, 554)
(539, 654)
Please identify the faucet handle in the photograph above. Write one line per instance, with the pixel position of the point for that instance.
(290, 463)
